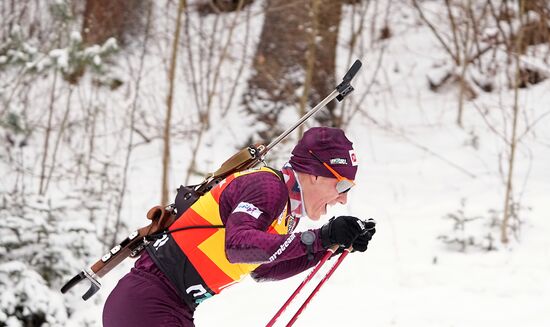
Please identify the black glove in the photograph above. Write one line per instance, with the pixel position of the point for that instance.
(362, 241)
(341, 230)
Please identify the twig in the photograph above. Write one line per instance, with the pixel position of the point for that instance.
(58, 141)
(370, 85)
(513, 139)
(47, 138)
(241, 66)
(169, 104)
(225, 48)
(435, 32)
(420, 146)
(132, 124)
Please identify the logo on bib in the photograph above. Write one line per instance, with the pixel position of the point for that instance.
(248, 208)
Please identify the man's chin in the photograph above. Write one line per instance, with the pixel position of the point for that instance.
(315, 217)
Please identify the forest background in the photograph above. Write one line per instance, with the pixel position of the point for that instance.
(106, 107)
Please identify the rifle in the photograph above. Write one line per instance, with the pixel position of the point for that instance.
(162, 217)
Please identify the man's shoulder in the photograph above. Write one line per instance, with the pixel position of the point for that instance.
(263, 189)
(264, 180)
(260, 185)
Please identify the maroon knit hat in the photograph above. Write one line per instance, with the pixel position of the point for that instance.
(329, 144)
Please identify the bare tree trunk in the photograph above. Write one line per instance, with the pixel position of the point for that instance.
(41, 189)
(513, 141)
(104, 19)
(59, 136)
(91, 121)
(310, 60)
(281, 61)
(214, 68)
(131, 128)
(169, 105)
(245, 47)
(328, 18)
(107, 18)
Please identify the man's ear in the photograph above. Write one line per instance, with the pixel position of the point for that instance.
(307, 179)
(313, 179)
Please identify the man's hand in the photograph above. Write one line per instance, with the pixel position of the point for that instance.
(342, 230)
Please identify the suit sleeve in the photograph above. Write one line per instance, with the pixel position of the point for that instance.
(284, 269)
(251, 204)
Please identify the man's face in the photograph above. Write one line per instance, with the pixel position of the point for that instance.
(319, 193)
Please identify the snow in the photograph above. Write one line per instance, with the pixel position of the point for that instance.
(408, 277)
(23, 286)
(76, 37)
(416, 167)
(110, 44)
(61, 57)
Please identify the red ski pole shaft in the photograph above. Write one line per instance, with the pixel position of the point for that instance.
(327, 255)
(327, 276)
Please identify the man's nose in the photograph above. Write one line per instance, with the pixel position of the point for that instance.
(342, 198)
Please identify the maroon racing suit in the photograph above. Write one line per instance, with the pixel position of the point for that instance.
(149, 296)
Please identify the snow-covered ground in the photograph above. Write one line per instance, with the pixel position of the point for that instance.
(408, 277)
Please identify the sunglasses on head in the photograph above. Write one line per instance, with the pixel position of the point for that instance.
(344, 184)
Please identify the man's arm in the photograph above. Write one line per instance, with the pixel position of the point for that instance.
(284, 269)
(251, 203)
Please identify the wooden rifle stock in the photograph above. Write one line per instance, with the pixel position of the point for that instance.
(161, 218)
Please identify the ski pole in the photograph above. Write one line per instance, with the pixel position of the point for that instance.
(327, 276)
(327, 255)
(370, 224)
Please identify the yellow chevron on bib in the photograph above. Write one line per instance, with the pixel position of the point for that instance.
(205, 247)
